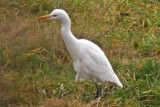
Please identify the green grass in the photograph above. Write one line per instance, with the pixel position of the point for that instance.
(35, 67)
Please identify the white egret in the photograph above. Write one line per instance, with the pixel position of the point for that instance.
(89, 60)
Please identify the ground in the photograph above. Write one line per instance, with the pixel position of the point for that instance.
(35, 67)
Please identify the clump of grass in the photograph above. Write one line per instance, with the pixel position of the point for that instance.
(35, 68)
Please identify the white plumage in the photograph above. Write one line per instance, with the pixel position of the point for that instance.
(89, 60)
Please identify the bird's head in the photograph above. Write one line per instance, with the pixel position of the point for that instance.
(57, 14)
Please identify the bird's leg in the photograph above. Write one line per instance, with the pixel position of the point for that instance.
(98, 90)
(103, 91)
(107, 88)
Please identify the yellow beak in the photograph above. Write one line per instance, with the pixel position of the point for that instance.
(44, 17)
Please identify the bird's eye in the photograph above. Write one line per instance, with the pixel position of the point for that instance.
(54, 15)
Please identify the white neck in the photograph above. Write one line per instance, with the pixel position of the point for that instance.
(69, 39)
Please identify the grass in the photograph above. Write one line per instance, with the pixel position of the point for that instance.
(35, 67)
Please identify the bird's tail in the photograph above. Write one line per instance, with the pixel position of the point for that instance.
(117, 81)
(119, 84)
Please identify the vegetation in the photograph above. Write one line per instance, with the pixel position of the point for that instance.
(35, 67)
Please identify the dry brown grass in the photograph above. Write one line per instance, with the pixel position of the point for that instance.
(62, 103)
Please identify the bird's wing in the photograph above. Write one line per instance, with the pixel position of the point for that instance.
(97, 65)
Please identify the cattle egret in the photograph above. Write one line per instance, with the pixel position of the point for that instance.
(89, 60)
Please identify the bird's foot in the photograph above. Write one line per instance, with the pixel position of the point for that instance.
(96, 96)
